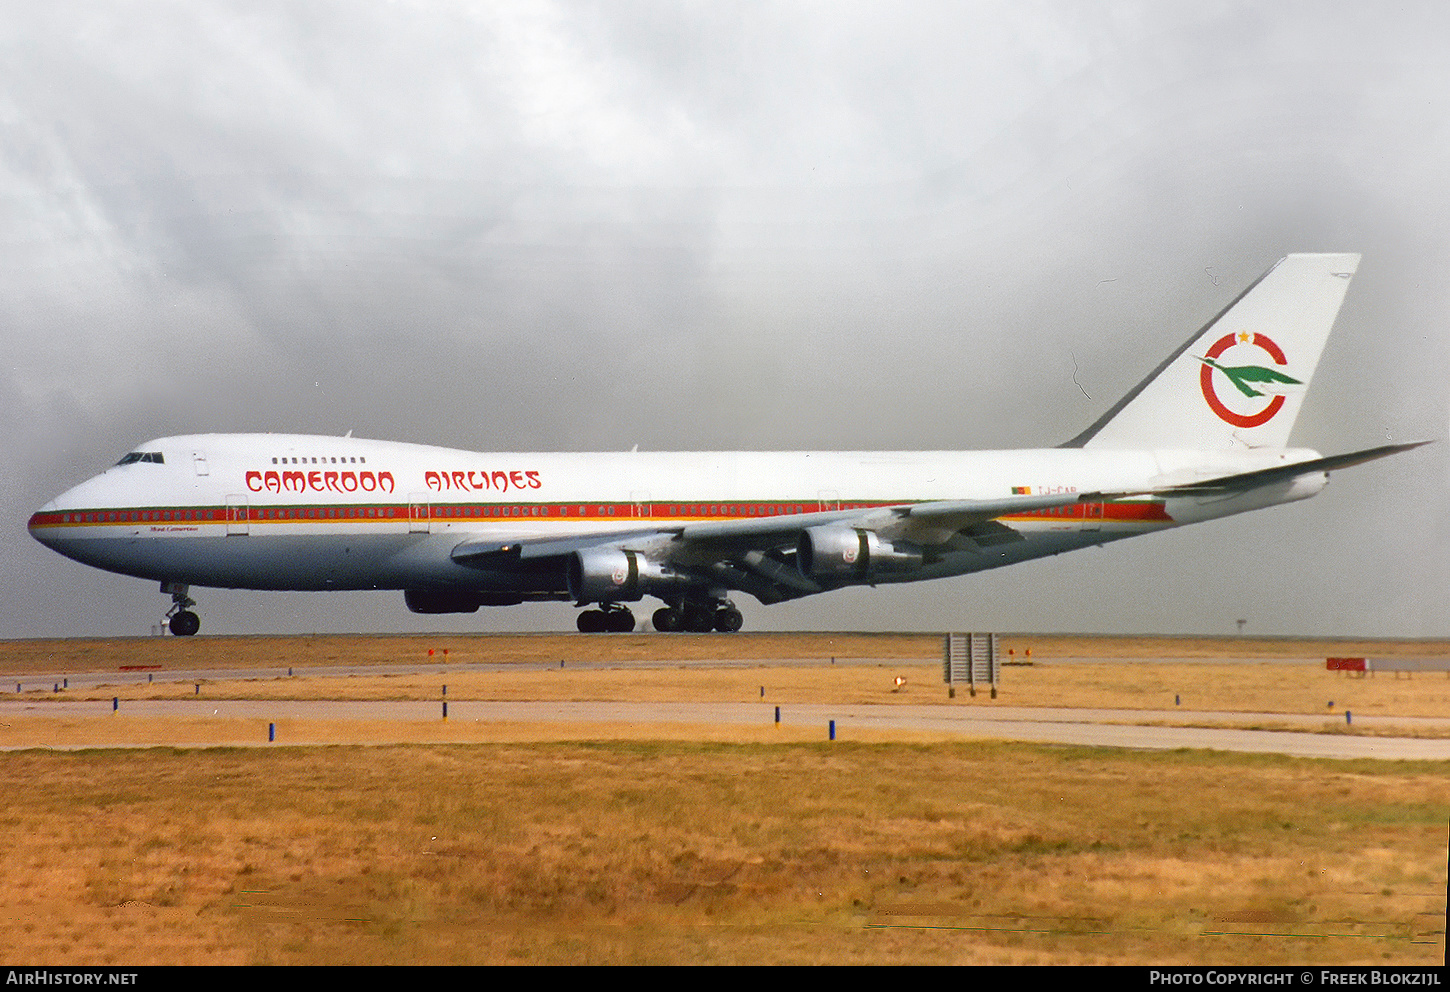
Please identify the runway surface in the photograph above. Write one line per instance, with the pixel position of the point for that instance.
(1084, 727)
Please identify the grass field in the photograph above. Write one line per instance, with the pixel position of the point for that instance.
(718, 847)
(680, 852)
(1265, 688)
(103, 654)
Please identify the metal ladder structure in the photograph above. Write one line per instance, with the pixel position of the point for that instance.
(970, 658)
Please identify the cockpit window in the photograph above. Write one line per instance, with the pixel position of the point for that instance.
(142, 456)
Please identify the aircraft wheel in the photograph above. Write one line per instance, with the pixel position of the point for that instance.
(699, 618)
(185, 623)
(728, 620)
(667, 620)
(619, 621)
(591, 622)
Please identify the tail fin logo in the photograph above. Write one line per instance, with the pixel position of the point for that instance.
(1261, 388)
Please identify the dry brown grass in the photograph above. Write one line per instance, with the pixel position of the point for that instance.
(106, 654)
(608, 843)
(1255, 688)
(632, 852)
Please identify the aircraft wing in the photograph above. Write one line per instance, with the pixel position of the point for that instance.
(492, 553)
(1224, 485)
(756, 555)
(766, 533)
(932, 522)
(742, 534)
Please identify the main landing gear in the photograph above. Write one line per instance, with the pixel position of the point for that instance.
(699, 616)
(180, 618)
(612, 618)
(696, 616)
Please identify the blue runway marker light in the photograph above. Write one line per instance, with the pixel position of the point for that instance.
(777, 716)
(833, 730)
(271, 732)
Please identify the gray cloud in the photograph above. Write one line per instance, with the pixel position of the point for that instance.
(574, 226)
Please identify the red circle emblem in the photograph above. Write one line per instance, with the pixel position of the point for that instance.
(1205, 379)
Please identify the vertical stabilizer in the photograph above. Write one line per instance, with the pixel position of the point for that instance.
(1239, 381)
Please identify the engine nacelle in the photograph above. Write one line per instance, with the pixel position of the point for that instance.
(612, 575)
(455, 600)
(836, 552)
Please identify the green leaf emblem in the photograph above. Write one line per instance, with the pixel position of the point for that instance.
(1243, 375)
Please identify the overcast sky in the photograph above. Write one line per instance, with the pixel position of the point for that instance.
(580, 226)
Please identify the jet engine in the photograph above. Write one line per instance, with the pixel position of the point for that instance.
(612, 575)
(836, 552)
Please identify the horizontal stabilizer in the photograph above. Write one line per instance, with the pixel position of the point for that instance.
(1279, 473)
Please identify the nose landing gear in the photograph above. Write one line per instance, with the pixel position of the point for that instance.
(180, 618)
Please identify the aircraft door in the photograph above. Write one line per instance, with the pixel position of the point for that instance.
(418, 510)
(238, 516)
(640, 503)
(1092, 516)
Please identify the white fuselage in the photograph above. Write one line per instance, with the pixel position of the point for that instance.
(273, 511)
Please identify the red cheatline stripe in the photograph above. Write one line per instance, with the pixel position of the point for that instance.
(383, 513)
(395, 512)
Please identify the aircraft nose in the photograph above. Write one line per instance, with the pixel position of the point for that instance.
(60, 524)
(50, 525)
(43, 524)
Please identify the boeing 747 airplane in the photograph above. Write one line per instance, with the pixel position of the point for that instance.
(1204, 436)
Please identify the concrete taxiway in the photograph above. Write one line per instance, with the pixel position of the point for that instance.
(1143, 729)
